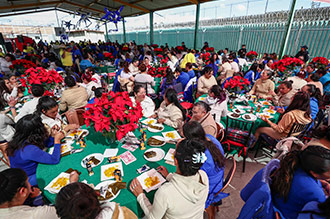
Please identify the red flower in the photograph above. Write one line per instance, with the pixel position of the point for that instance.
(252, 54)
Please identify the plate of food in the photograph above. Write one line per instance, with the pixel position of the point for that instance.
(234, 115)
(270, 111)
(241, 107)
(107, 190)
(170, 136)
(201, 98)
(238, 111)
(249, 117)
(151, 180)
(154, 154)
(170, 155)
(266, 115)
(81, 133)
(156, 141)
(149, 121)
(95, 159)
(58, 183)
(265, 103)
(107, 171)
(155, 127)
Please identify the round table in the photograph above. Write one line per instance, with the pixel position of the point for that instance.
(96, 143)
(258, 123)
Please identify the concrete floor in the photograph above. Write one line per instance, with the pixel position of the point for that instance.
(231, 206)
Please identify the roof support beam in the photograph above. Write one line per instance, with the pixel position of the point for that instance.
(83, 6)
(132, 6)
(124, 30)
(151, 34)
(30, 5)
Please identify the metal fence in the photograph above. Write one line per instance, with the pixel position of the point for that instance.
(262, 37)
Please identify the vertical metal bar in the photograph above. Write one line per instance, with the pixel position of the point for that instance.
(151, 19)
(324, 42)
(106, 32)
(198, 7)
(240, 37)
(288, 28)
(58, 22)
(124, 30)
(266, 6)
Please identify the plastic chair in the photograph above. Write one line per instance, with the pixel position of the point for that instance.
(4, 158)
(210, 211)
(75, 116)
(237, 136)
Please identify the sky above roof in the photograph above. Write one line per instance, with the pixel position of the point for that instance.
(210, 10)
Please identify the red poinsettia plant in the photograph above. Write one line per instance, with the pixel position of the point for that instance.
(114, 115)
(108, 56)
(287, 65)
(154, 45)
(21, 65)
(320, 62)
(252, 55)
(49, 79)
(209, 49)
(206, 57)
(179, 48)
(237, 84)
(159, 68)
(125, 49)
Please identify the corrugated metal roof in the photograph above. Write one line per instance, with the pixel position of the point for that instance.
(95, 7)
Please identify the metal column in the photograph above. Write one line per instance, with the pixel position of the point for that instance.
(196, 24)
(287, 29)
(151, 19)
(124, 30)
(106, 32)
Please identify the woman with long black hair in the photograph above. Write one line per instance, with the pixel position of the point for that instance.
(25, 150)
(298, 180)
(170, 112)
(215, 163)
(217, 100)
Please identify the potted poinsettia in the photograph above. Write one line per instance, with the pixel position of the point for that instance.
(49, 79)
(21, 65)
(285, 67)
(252, 55)
(320, 62)
(158, 70)
(237, 85)
(206, 57)
(114, 115)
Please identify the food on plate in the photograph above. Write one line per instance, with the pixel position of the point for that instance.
(265, 116)
(150, 154)
(94, 160)
(150, 122)
(155, 127)
(64, 147)
(247, 117)
(151, 181)
(270, 111)
(237, 111)
(154, 141)
(110, 171)
(114, 187)
(60, 182)
(170, 135)
(235, 115)
(266, 103)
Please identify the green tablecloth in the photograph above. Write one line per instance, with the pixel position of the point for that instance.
(156, 88)
(96, 143)
(106, 69)
(258, 123)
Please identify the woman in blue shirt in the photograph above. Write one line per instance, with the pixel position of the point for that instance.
(26, 150)
(254, 72)
(315, 100)
(297, 181)
(215, 163)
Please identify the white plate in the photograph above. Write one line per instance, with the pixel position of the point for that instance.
(238, 111)
(106, 183)
(252, 117)
(167, 136)
(160, 138)
(149, 121)
(170, 155)
(265, 103)
(56, 189)
(270, 111)
(231, 116)
(241, 107)
(156, 130)
(97, 156)
(160, 154)
(117, 165)
(151, 173)
(201, 98)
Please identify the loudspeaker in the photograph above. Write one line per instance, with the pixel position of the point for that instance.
(2, 40)
(20, 38)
